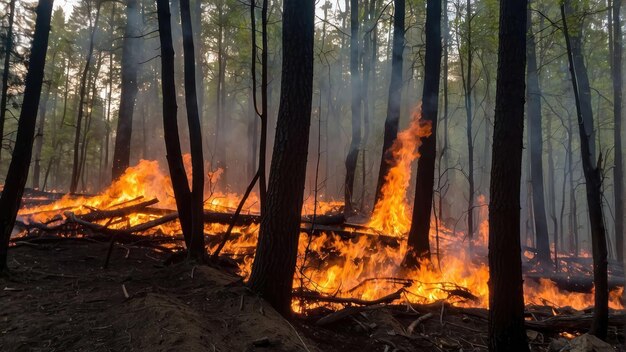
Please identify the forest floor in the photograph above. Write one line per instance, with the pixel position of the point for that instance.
(59, 298)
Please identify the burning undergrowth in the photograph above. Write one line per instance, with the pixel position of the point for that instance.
(338, 263)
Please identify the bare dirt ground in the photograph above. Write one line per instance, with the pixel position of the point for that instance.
(59, 298)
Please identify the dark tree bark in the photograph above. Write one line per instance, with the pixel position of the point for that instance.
(75, 178)
(445, 155)
(18, 169)
(170, 125)
(468, 86)
(196, 248)
(533, 94)
(618, 170)
(506, 296)
(355, 84)
(592, 171)
(130, 66)
(275, 259)
(8, 51)
(264, 109)
(418, 241)
(395, 95)
(220, 102)
(38, 143)
(552, 193)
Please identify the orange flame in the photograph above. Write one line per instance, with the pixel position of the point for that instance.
(364, 267)
(391, 213)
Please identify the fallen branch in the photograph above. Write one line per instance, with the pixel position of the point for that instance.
(317, 297)
(345, 313)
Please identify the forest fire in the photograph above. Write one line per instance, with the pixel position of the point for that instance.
(364, 266)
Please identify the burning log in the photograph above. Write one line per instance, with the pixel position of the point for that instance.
(573, 282)
(115, 213)
(572, 323)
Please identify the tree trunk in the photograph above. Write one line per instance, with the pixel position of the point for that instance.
(130, 50)
(395, 96)
(275, 259)
(170, 124)
(552, 194)
(8, 51)
(11, 197)
(592, 171)
(220, 122)
(533, 96)
(445, 155)
(506, 296)
(264, 109)
(39, 134)
(196, 248)
(355, 83)
(618, 170)
(81, 105)
(418, 241)
(467, 87)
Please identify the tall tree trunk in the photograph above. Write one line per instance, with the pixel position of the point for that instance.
(170, 124)
(368, 63)
(81, 104)
(506, 296)
(196, 248)
(130, 65)
(8, 51)
(618, 170)
(264, 110)
(418, 241)
(39, 134)
(592, 170)
(275, 259)
(200, 50)
(395, 96)
(355, 84)
(220, 123)
(11, 197)
(107, 126)
(552, 194)
(573, 211)
(533, 94)
(467, 88)
(445, 155)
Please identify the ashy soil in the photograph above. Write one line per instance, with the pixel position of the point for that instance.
(59, 298)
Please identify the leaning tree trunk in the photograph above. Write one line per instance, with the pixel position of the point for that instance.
(418, 242)
(275, 259)
(355, 83)
(618, 170)
(395, 96)
(130, 65)
(170, 124)
(533, 94)
(591, 170)
(18, 169)
(8, 50)
(75, 178)
(196, 248)
(506, 296)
